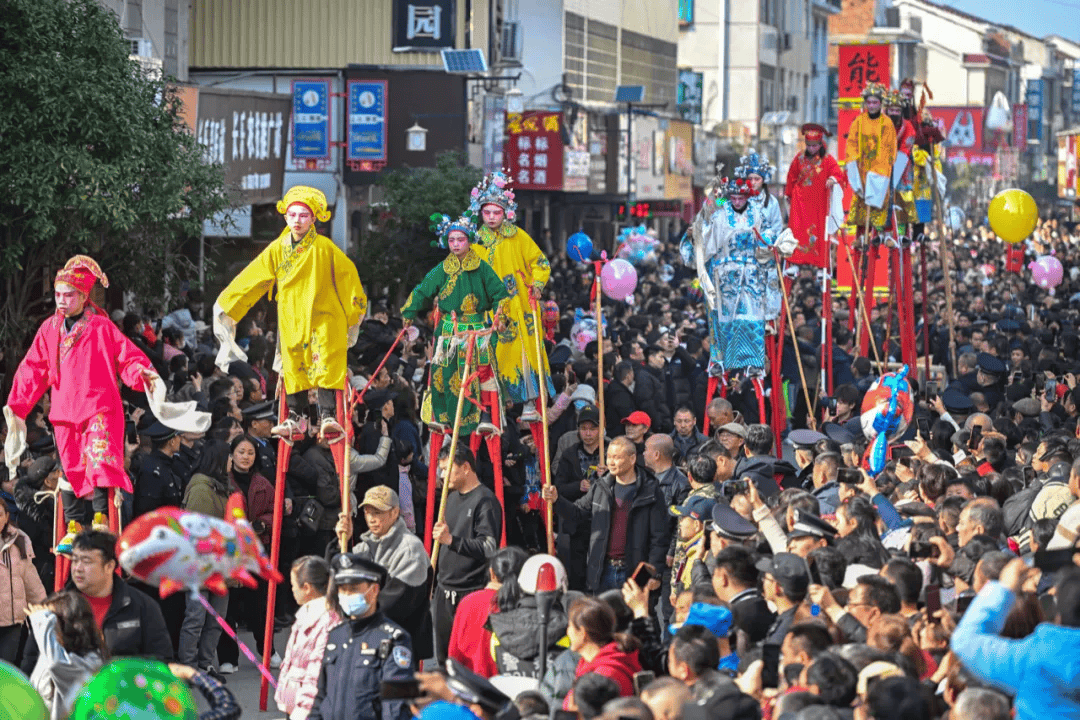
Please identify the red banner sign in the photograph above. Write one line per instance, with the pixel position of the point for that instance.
(859, 65)
(963, 131)
(534, 150)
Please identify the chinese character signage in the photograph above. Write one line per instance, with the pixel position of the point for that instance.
(1034, 100)
(311, 119)
(859, 65)
(689, 95)
(534, 150)
(423, 25)
(367, 121)
(1020, 126)
(1076, 95)
(245, 133)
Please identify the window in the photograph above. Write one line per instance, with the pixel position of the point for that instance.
(686, 12)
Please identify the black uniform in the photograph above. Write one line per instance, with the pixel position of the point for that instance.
(155, 483)
(360, 654)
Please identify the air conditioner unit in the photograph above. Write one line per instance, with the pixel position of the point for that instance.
(141, 48)
(793, 103)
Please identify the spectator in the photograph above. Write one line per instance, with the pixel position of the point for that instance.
(981, 704)
(591, 630)
(73, 649)
(686, 436)
(660, 460)
(299, 676)
(19, 589)
(470, 637)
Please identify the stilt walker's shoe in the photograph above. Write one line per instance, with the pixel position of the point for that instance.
(291, 429)
(331, 431)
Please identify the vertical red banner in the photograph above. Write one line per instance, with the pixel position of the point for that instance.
(534, 150)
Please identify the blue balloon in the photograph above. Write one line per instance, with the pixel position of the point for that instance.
(579, 247)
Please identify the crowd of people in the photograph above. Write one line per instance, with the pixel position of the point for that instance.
(695, 571)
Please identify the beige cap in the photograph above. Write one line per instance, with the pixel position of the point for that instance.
(381, 498)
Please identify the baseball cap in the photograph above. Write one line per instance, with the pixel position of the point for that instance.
(381, 498)
(789, 570)
(698, 507)
(589, 413)
(737, 429)
(637, 418)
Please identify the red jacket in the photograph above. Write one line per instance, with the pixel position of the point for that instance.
(470, 640)
(613, 663)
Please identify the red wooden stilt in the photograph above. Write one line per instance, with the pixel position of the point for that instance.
(709, 392)
(59, 530)
(437, 440)
(925, 312)
(284, 452)
(494, 448)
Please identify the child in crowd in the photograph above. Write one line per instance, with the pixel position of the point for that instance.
(72, 649)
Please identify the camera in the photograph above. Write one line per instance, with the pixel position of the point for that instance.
(731, 488)
(829, 404)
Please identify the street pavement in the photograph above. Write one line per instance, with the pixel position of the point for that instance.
(245, 682)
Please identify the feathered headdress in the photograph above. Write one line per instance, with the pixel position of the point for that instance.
(442, 225)
(494, 189)
(754, 164)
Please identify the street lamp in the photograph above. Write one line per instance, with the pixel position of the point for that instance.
(416, 138)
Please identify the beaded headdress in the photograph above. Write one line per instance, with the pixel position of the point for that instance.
(754, 164)
(494, 189)
(443, 225)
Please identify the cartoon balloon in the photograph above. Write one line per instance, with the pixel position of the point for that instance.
(1013, 215)
(133, 689)
(1047, 272)
(886, 411)
(18, 698)
(176, 550)
(618, 279)
(579, 247)
(667, 273)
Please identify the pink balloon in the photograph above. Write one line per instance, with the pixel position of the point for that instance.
(618, 279)
(1047, 272)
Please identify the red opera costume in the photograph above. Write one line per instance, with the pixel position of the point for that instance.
(807, 191)
(81, 366)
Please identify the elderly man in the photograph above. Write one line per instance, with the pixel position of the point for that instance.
(686, 436)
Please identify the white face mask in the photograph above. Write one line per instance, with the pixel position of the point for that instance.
(354, 605)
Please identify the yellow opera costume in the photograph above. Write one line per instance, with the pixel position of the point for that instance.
(871, 145)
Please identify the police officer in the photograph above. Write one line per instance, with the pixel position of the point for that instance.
(363, 651)
(155, 483)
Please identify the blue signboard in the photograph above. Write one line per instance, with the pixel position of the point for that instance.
(1034, 99)
(311, 119)
(1076, 95)
(367, 120)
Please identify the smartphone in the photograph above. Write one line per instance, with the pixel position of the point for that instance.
(132, 434)
(931, 390)
(641, 679)
(933, 600)
(924, 427)
(1053, 560)
(770, 673)
(643, 574)
(963, 601)
(975, 438)
(849, 476)
(918, 550)
(400, 689)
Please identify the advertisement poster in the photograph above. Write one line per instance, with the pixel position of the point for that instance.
(367, 121)
(311, 119)
(534, 150)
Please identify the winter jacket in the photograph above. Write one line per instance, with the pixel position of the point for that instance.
(59, 676)
(206, 495)
(611, 662)
(133, 626)
(259, 505)
(679, 371)
(328, 485)
(1042, 671)
(19, 581)
(686, 446)
(408, 588)
(470, 638)
(649, 396)
(515, 638)
(619, 403)
(559, 679)
(765, 471)
(299, 675)
(647, 527)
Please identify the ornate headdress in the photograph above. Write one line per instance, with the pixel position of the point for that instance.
(81, 272)
(814, 132)
(313, 198)
(735, 186)
(494, 189)
(908, 84)
(754, 164)
(874, 89)
(442, 225)
(893, 99)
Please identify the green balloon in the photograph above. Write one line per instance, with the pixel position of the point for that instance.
(135, 689)
(18, 698)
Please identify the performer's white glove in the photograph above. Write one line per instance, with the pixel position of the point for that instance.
(225, 333)
(786, 243)
(854, 179)
(15, 444)
(354, 334)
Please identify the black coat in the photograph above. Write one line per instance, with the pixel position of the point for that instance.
(647, 527)
(649, 396)
(133, 626)
(618, 403)
(155, 483)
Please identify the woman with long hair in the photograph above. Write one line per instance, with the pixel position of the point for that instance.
(244, 602)
(856, 523)
(298, 680)
(470, 637)
(72, 649)
(20, 584)
(591, 629)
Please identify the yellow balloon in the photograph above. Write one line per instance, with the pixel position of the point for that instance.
(1013, 215)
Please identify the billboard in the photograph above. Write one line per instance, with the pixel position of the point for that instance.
(367, 123)
(534, 149)
(311, 119)
(859, 65)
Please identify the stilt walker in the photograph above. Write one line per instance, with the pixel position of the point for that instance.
(692, 251)
(464, 289)
(320, 304)
(79, 354)
(283, 457)
(869, 154)
(524, 271)
(926, 159)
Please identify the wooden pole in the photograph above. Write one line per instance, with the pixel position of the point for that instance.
(795, 342)
(857, 282)
(546, 464)
(946, 259)
(599, 361)
(470, 343)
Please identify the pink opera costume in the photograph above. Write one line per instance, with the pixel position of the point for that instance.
(79, 353)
